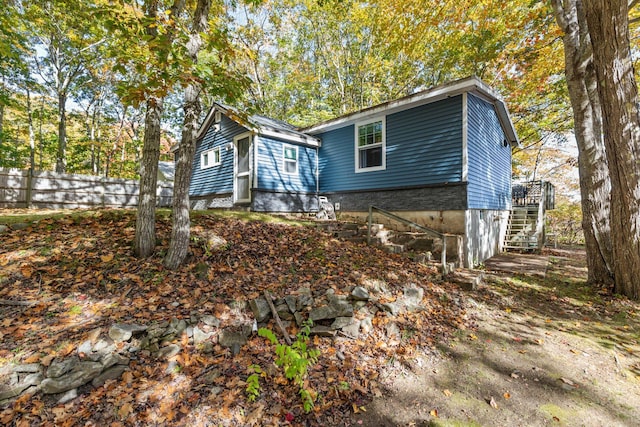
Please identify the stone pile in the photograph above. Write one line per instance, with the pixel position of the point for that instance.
(349, 312)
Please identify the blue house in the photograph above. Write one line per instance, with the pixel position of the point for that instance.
(440, 158)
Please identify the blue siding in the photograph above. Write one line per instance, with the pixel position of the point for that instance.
(216, 179)
(423, 147)
(489, 172)
(271, 175)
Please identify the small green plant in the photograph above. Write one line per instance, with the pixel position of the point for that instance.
(76, 310)
(253, 382)
(296, 359)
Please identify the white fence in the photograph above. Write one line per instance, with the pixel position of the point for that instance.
(56, 190)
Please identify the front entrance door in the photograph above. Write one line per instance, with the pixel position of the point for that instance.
(242, 185)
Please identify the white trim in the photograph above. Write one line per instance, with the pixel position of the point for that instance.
(285, 160)
(236, 139)
(465, 137)
(211, 152)
(256, 162)
(382, 144)
(301, 139)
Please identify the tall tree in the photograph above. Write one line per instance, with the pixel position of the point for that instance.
(608, 24)
(67, 37)
(180, 231)
(587, 117)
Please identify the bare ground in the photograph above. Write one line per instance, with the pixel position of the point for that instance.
(546, 351)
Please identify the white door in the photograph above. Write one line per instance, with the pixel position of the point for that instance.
(242, 187)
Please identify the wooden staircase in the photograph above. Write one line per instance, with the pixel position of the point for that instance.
(526, 226)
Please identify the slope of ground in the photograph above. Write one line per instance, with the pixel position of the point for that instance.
(66, 281)
(544, 351)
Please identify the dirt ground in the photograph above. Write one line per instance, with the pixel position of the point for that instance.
(547, 350)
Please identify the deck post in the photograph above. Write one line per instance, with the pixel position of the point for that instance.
(369, 225)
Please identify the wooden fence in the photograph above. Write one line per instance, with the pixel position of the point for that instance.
(56, 191)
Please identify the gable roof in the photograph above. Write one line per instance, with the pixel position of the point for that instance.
(470, 84)
(259, 124)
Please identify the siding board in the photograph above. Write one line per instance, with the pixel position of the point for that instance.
(489, 160)
(423, 147)
(271, 174)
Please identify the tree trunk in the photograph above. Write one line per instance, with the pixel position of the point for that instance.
(145, 238)
(61, 159)
(180, 231)
(587, 118)
(609, 30)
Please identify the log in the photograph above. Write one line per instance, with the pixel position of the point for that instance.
(267, 296)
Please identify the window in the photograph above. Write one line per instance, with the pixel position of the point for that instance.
(210, 158)
(370, 146)
(290, 160)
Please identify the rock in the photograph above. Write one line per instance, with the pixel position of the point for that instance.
(85, 348)
(353, 329)
(468, 280)
(207, 347)
(175, 328)
(81, 374)
(305, 298)
(175, 304)
(104, 345)
(323, 331)
(123, 332)
(200, 336)
(3, 228)
(111, 373)
(376, 286)
(59, 368)
(27, 368)
(360, 294)
(68, 396)
(210, 320)
(260, 308)
(366, 325)
(216, 390)
(291, 302)
(110, 359)
(168, 351)
(298, 318)
(156, 330)
(19, 226)
(214, 242)
(341, 322)
(283, 312)
(331, 311)
(228, 338)
(392, 330)
(413, 297)
(189, 332)
(8, 392)
(391, 307)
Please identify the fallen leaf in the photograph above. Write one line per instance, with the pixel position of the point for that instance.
(434, 413)
(125, 410)
(568, 382)
(556, 419)
(447, 393)
(493, 403)
(106, 258)
(507, 395)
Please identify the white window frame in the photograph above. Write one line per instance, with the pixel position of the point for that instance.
(210, 154)
(285, 160)
(382, 144)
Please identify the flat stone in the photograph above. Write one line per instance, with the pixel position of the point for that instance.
(8, 392)
(210, 320)
(123, 332)
(230, 338)
(111, 373)
(375, 285)
(59, 368)
(360, 294)
(341, 322)
(298, 318)
(323, 331)
(260, 308)
(82, 373)
(85, 348)
(331, 311)
(108, 360)
(216, 390)
(467, 280)
(169, 351)
(412, 298)
(305, 298)
(3, 228)
(27, 368)
(391, 307)
(104, 345)
(200, 336)
(68, 396)
(366, 325)
(20, 226)
(353, 329)
(156, 330)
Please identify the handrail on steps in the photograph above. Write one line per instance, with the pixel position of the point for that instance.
(410, 224)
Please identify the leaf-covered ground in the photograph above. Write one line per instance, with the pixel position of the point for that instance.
(80, 276)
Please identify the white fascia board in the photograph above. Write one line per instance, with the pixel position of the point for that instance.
(289, 137)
